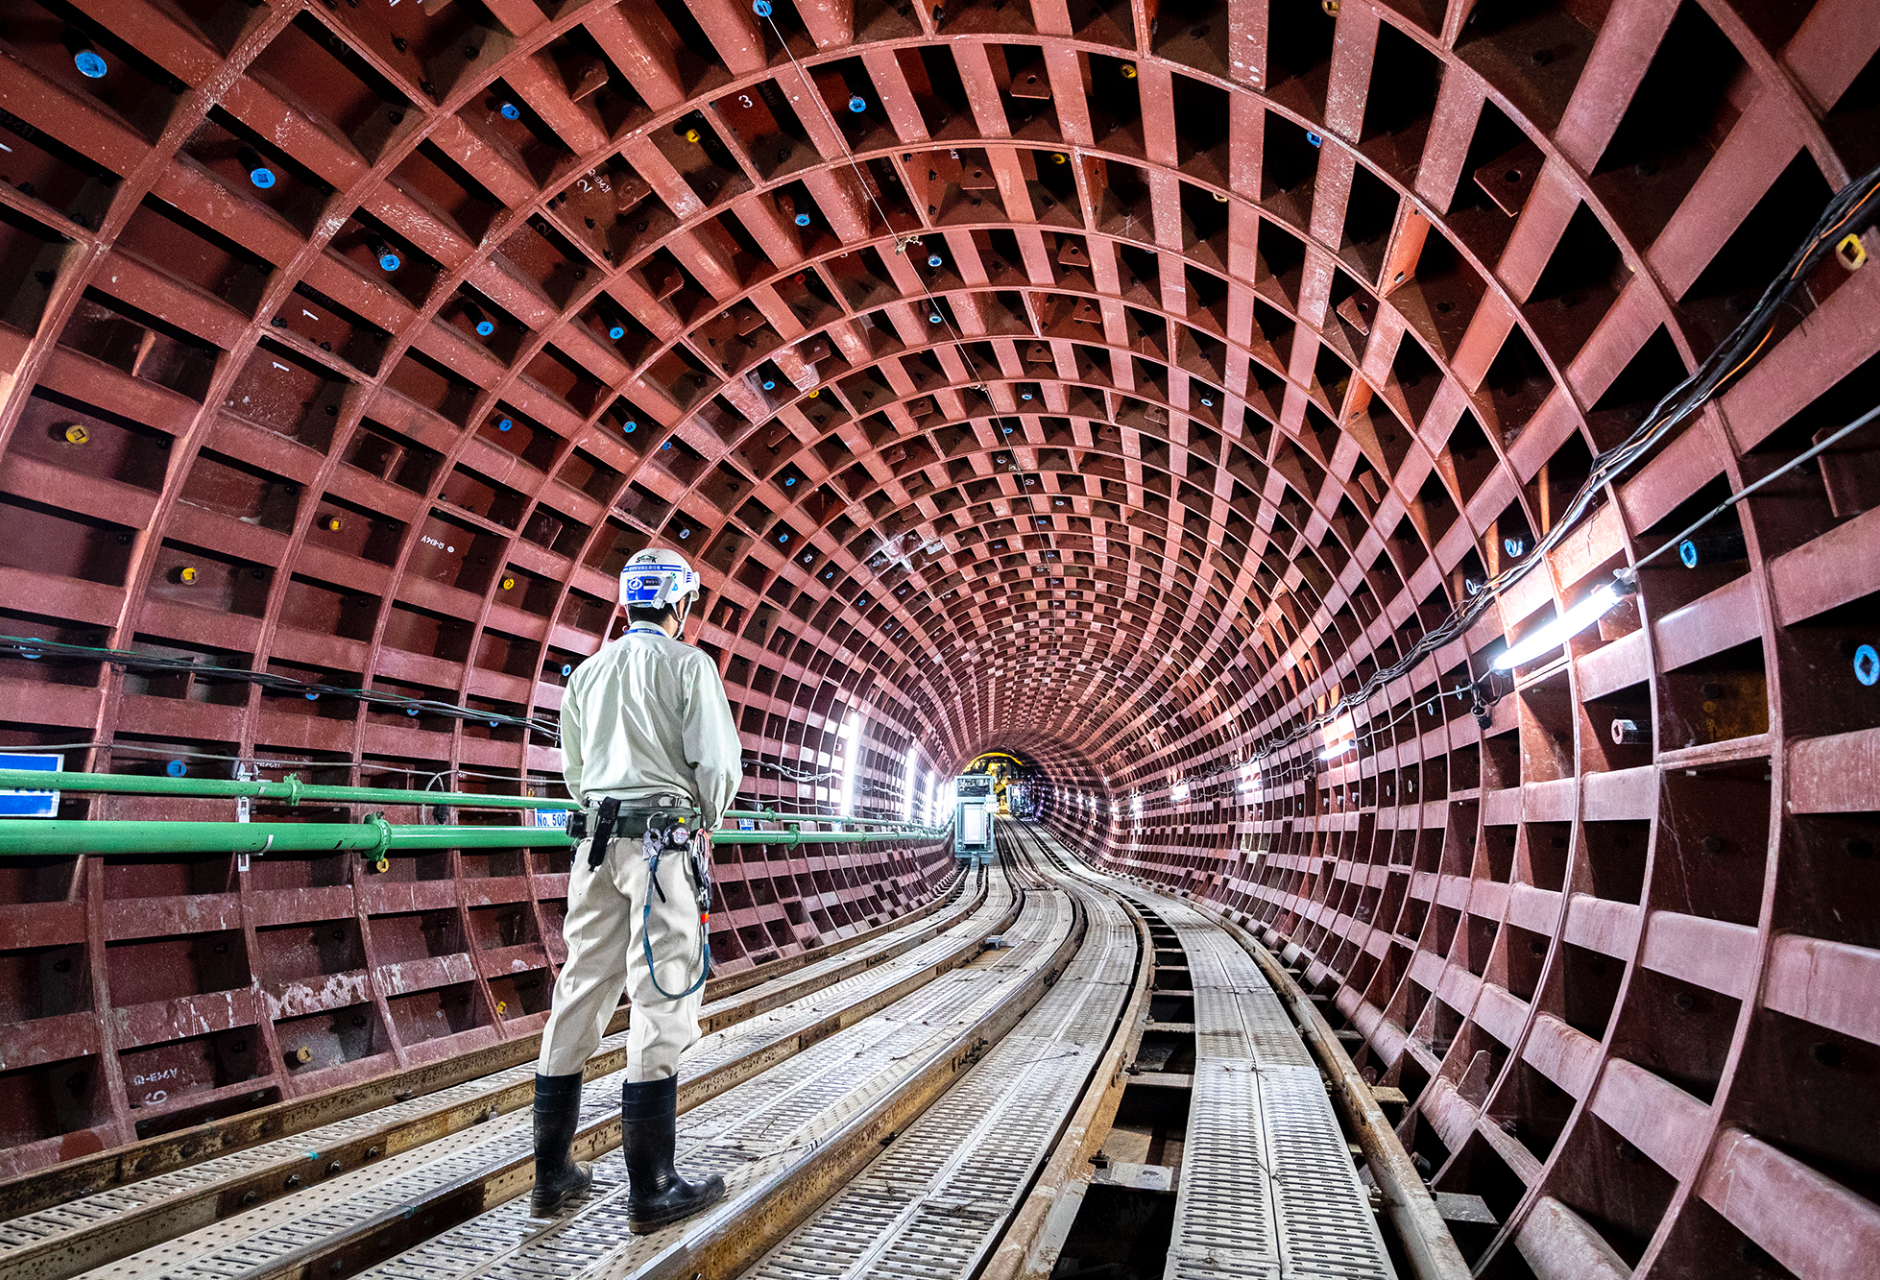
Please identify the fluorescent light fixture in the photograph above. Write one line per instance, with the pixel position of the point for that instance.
(1135, 806)
(850, 731)
(926, 811)
(1249, 775)
(1337, 749)
(908, 782)
(1178, 792)
(1561, 629)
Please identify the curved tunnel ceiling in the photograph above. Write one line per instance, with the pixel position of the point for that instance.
(1121, 384)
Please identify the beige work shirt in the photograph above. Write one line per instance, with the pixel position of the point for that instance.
(646, 716)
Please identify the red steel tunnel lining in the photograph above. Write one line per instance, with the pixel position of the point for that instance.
(1115, 383)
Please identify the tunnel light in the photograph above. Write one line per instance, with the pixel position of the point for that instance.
(850, 733)
(1337, 749)
(1249, 776)
(1561, 629)
(909, 783)
(1178, 792)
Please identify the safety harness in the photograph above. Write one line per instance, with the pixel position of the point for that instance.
(661, 828)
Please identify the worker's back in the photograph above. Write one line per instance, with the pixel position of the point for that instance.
(647, 716)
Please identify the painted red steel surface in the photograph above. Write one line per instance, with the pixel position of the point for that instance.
(1261, 328)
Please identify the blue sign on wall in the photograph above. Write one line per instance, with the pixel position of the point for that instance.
(30, 804)
(551, 818)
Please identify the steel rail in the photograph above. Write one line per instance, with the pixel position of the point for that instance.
(1035, 1234)
(761, 1052)
(1428, 1246)
(87, 1175)
(119, 1235)
(413, 1220)
(1427, 1243)
(940, 1199)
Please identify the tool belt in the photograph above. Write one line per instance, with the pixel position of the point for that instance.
(630, 819)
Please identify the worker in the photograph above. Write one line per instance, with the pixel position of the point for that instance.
(650, 751)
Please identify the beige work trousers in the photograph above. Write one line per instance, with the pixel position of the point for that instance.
(606, 953)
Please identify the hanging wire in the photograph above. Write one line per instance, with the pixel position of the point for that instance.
(33, 648)
(1730, 358)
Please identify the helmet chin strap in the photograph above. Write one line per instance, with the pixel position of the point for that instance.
(685, 611)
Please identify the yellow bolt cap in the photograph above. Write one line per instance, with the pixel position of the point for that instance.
(303, 1054)
(1129, 71)
(76, 434)
(691, 135)
(509, 584)
(187, 574)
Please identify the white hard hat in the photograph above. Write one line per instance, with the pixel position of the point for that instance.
(655, 578)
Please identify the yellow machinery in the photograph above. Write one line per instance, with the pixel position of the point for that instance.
(999, 765)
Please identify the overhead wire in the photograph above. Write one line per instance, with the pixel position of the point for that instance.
(1727, 361)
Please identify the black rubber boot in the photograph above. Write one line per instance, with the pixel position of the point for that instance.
(656, 1195)
(558, 1179)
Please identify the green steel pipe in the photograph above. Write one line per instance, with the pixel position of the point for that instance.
(290, 789)
(374, 838)
(294, 791)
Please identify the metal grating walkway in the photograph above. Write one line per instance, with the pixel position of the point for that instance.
(935, 1203)
(756, 1134)
(271, 1231)
(1268, 1190)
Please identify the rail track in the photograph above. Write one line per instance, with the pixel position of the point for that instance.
(915, 1102)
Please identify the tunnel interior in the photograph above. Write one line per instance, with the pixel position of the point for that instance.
(1194, 397)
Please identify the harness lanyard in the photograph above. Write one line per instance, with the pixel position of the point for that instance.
(654, 844)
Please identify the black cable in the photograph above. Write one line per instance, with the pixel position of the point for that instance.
(1730, 358)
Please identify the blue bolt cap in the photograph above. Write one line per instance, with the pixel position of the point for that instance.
(90, 65)
(761, 8)
(313, 697)
(770, 384)
(616, 331)
(632, 427)
(1314, 139)
(176, 768)
(567, 668)
(389, 260)
(858, 104)
(802, 219)
(485, 328)
(783, 537)
(508, 111)
(684, 534)
(935, 318)
(262, 177)
(788, 481)
(935, 260)
(1687, 552)
(505, 424)
(1867, 665)
(411, 711)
